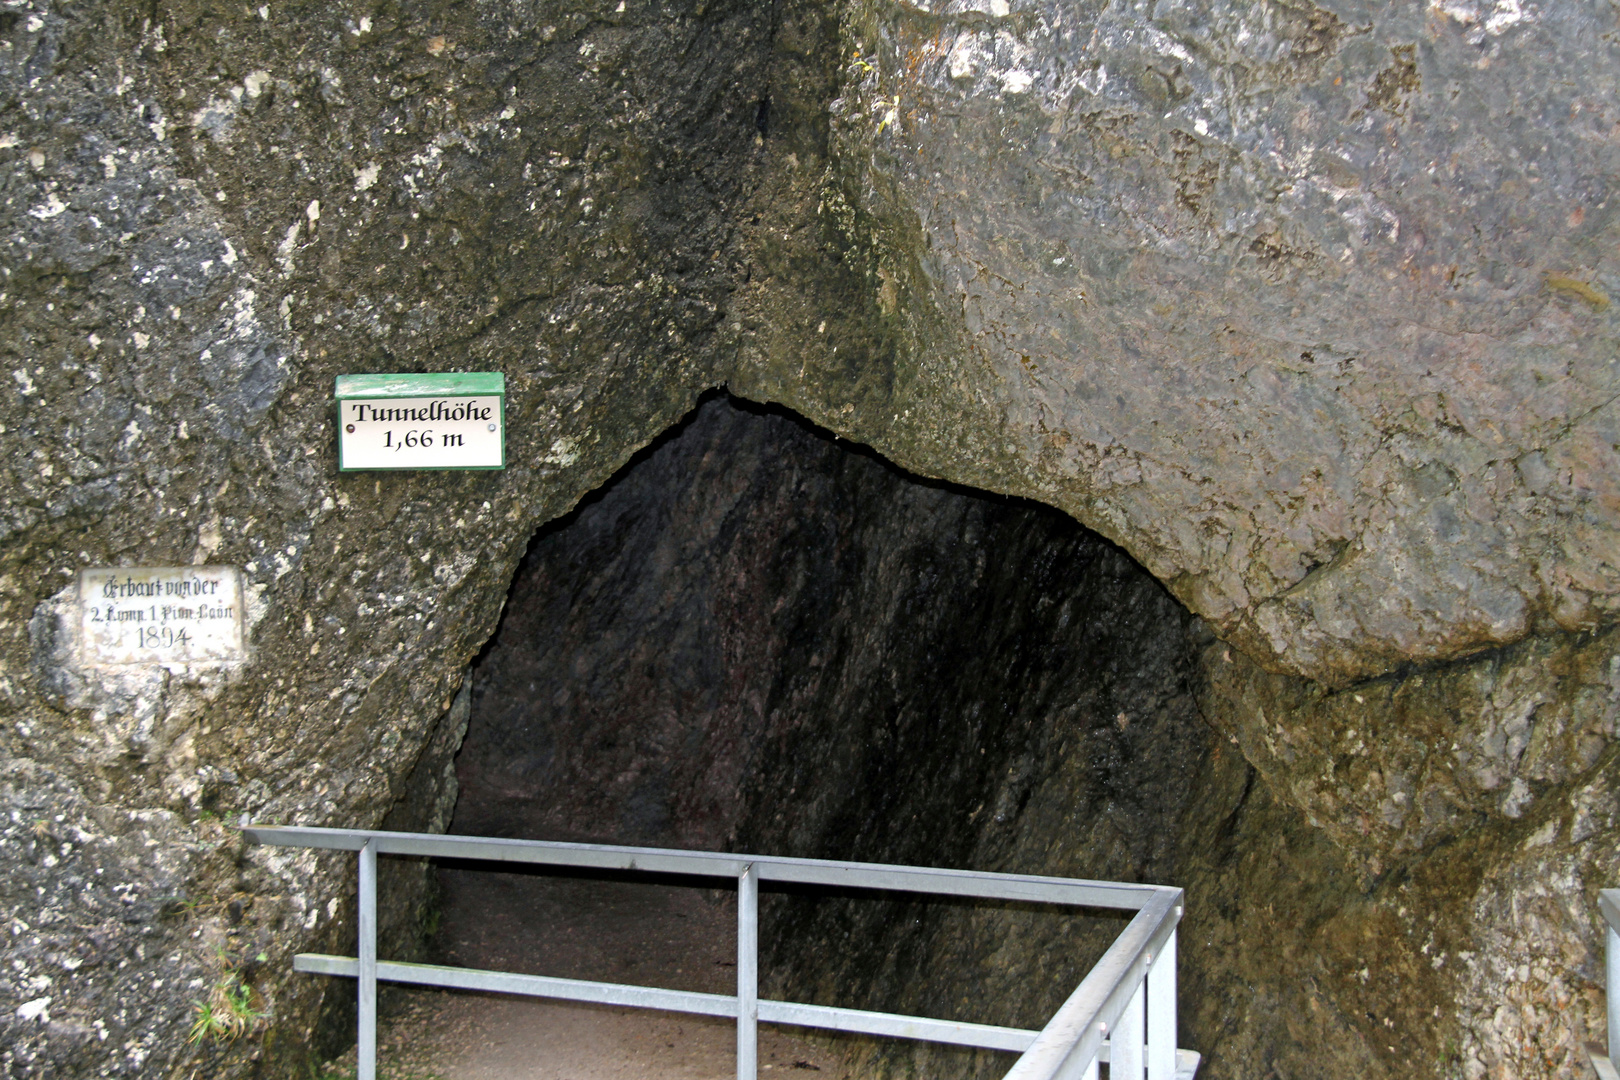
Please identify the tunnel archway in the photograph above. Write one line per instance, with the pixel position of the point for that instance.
(758, 637)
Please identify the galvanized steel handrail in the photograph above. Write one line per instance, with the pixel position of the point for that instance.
(1075, 892)
(1604, 1064)
(1123, 1012)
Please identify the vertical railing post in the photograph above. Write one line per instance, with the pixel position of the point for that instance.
(1613, 992)
(1125, 1044)
(1161, 1013)
(748, 973)
(366, 1051)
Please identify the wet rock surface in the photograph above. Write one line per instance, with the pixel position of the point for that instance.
(1306, 307)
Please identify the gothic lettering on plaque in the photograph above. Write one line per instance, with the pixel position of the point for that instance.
(160, 615)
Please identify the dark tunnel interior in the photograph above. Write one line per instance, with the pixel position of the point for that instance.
(759, 638)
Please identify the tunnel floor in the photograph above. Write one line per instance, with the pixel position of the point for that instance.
(583, 928)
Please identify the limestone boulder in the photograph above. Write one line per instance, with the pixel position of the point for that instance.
(1307, 306)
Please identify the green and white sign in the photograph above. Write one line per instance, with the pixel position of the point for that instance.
(440, 421)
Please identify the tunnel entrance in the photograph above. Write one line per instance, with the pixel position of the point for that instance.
(760, 638)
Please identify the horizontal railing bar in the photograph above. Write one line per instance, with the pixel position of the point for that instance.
(861, 1022)
(963, 883)
(987, 1036)
(1078, 1029)
(502, 982)
(823, 1017)
(1609, 904)
(929, 880)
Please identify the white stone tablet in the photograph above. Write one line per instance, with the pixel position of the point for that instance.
(160, 615)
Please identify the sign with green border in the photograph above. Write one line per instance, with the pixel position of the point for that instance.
(447, 420)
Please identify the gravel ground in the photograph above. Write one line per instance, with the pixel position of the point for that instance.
(609, 930)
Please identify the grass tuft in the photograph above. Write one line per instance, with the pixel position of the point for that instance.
(227, 1013)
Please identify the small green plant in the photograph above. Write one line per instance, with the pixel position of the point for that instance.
(1451, 1057)
(227, 1013)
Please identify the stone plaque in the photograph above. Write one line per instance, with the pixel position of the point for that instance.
(444, 421)
(160, 615)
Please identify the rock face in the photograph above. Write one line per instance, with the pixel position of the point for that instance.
(209, 214)
(1457, 821)
(1306, 307)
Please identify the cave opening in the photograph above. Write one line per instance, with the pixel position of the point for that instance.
(758, 637)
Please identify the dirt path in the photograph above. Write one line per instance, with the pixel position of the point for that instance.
(608, 930)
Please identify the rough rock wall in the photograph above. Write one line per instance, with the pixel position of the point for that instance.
(1305, 306)
(210, 212)
(1308, 306)
(753, 610)
(1463, 819)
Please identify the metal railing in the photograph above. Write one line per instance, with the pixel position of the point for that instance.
(1123, 1013)
(1604, 1064)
